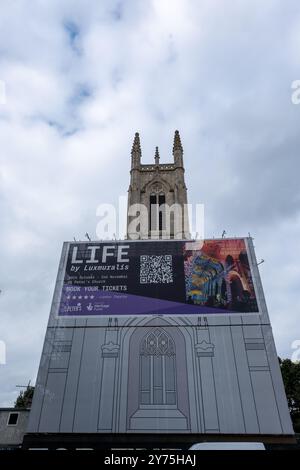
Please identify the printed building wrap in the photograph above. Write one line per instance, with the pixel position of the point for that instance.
(164, 336)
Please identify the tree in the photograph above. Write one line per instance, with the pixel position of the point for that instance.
(291, 378)
(24, 399)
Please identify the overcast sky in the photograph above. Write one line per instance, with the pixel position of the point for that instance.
(82, 77)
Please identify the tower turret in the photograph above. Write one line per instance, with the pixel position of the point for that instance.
(156, 156)
(177, 150)
(136, 152)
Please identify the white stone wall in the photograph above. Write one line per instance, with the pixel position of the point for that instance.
(13, 435)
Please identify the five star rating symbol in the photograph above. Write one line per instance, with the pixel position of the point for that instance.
(80, 297)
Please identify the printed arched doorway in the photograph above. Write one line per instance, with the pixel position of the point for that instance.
(157, 380)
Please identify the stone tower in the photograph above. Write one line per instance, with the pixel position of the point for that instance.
(157, 196)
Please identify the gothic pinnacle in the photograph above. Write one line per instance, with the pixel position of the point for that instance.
(156, 156)
(136, 147)
(177, 142)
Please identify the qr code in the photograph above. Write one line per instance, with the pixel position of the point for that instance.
(156, 269)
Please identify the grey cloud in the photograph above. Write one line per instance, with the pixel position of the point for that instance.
(76, 95)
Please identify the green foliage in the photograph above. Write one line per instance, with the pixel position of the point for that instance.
(291, 378)
(24, 399)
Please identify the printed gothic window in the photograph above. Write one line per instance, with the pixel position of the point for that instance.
(157, 369)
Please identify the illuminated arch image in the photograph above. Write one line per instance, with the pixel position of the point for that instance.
(219, 276)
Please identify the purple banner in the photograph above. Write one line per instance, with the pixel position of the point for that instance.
(157, 277)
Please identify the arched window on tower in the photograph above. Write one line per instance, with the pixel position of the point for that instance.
(162, 215)
(157, 222)
(157, 369)
(153, 212)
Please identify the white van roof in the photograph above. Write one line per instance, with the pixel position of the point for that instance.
(228, 446)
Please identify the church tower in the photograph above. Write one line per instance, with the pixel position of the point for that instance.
(157, 196)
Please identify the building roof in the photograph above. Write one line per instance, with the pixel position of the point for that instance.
(15, 409)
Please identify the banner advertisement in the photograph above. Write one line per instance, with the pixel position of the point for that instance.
(157, 277)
